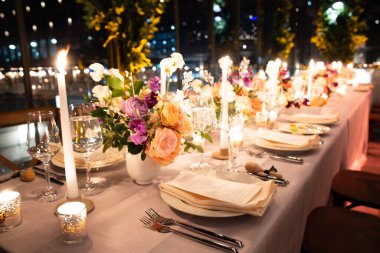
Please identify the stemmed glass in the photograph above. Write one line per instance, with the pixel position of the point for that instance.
(43, 142)
(86, 138)
(203, 121)
(235, 137)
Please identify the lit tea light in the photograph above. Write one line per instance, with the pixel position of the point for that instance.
(236, 136)
(72, 220)
(10, 210)
(261, 119)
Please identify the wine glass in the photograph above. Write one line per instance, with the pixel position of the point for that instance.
(43, 142)
(203, 121)
(86, 138)
(235, 137)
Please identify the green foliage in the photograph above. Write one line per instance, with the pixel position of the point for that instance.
(284, 38)
(340, 39)
(128, 25)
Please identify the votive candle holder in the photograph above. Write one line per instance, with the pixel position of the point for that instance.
(72, 220)
(10, 210)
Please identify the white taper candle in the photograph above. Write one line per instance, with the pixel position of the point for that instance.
(70, 172)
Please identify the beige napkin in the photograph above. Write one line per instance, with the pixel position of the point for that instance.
(98, 158)
(255, 206)
(314, 118)
(288, 139)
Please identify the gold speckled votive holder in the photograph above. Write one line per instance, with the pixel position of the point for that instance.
(72, 220)
(10, 210)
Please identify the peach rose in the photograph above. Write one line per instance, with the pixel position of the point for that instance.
(170, 114)
(184, 124)
(165, 146)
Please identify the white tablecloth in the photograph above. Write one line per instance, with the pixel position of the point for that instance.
(114, 224)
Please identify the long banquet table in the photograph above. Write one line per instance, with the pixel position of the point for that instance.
(114, 224)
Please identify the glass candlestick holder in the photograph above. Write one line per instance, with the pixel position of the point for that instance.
(72, 220)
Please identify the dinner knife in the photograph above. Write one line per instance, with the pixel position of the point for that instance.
(287, 158)
(7, 177)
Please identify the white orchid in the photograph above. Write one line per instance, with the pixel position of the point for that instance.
(96, 71)
(207, 77)
(187, 79)
(168, 65)
(172, 63)
(115, 73)
(102, 93)
(178, 60)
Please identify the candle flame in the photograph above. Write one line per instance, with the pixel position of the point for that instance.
(61, 60)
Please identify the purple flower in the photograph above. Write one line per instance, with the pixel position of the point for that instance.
(154, 84)
(134, 107)
(305, 102)
(138, 126)
(151, 100)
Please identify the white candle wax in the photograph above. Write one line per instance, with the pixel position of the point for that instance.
(71, 175)
(163, 78)
(310, 79)
(224, 120)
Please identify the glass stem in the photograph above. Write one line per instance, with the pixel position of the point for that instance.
(203, 147)
(88, 179)
(47, 173)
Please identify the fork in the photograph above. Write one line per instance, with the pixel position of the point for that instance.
(262, 154)
(155, 226)
(168, 221)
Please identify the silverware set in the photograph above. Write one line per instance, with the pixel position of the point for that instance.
(162, 224)
(286, 158)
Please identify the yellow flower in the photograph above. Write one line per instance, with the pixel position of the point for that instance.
(119, 10)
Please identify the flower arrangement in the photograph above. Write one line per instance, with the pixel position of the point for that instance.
(134, 115)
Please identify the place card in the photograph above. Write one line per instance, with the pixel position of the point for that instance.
(215, 188)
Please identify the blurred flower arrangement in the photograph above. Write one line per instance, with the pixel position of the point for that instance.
(134, 115)
(242, 88)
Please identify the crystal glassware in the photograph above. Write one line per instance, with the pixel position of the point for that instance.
(86, 138)
(43, 142)
(203, 121)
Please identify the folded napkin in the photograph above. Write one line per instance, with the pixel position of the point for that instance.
(289, 139)
(213, 193)
(312, 118)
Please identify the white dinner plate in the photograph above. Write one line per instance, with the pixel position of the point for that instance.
(277, 146)
(303, 128)
(311, 120)
(187, 208)
(98, 159)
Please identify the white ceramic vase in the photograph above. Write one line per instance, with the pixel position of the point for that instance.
(142, 172)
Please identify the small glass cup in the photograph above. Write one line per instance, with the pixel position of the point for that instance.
(261, 119)
(72, 220)
(10, 210)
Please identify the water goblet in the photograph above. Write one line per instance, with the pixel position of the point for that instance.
(43, 142)
(86, 139)
(203, 122)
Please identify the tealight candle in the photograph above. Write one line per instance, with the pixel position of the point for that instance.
(261, 119)
(236, 136)
(10, 210)
(72, 220)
